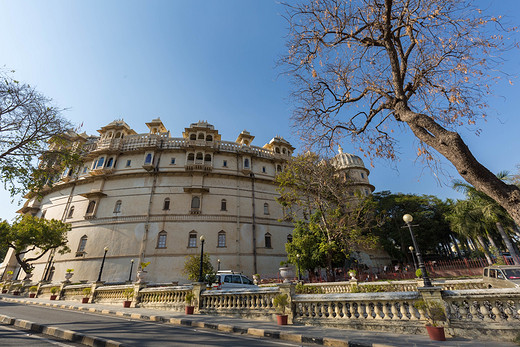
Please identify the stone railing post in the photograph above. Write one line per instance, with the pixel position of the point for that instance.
(434, 294)
(137, 298)
(60, 292)
(198, 287)
(289, 289)
(93, 288)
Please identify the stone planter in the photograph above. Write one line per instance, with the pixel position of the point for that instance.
(287, 274)
(84, 300)
(126, 303)
(68, 276)
(436, 333)
(281, 319)
(256, 279)
(141, 276)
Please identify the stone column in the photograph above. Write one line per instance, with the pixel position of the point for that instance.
(198, 287)
(289, 289)
(137, 297)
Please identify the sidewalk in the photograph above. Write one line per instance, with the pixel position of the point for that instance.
(294, 333)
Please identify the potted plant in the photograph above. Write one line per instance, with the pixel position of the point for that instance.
(16, 289)
(54, 291)
(141, 273)
(86, 295)
(352, 273)
(32, 291)
(129, 294)
(69, 274)
(436, 314)
(281, 302)
(418, 273)
(8, 275)
(189, 302)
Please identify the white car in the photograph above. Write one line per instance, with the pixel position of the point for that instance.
(230, 280)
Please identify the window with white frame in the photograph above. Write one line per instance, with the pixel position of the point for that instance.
(223, 205)
(161, 239)
(91, 206)
(117, 207)
(128, 163)
(267, 240)
(166, 204)
(172, 161)
(71, 212)
(266, 208)
(192, 240)
(221, 239)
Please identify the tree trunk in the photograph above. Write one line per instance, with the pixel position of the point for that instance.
(508, 243)
(486, 251)
(454, 240)
(492, 242)
(450, 145)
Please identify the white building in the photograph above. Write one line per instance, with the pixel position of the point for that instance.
(149, 197)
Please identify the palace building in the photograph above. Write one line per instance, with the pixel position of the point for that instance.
(150, 197)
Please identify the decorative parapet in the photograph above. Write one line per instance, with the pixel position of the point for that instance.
(111, 294)
(164, 298)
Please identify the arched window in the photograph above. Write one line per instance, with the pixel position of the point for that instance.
(82, 243)
(71, 212)
(267, 240)
(118, 135)
(207, 157)
(246, 163)
(191, 156)
(166, 205)
(91, 206)
(201, 136)
(284, 151)
(193, 137)
(223, 205)
(277, 150)
(199, 156)
(117, 207)
(221, 239)
(278, 168)
(161, 239)
(70, 172)
(266, 208)
(195, 202)
(209, 138)
(192, 240)
(100, 162)
(289, 238)
(110, 135)
(110, 162)
(148, 159)
(94, 165)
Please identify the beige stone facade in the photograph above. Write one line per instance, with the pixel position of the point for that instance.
(149, 197)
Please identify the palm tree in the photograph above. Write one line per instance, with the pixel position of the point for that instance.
(491, 213)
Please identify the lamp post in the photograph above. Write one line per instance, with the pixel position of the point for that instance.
(131, 267)
(413, 257)
(298, 262)
(218, 264)
(201, 279)
(102, 264)
(427, 283)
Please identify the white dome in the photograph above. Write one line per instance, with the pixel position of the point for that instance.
(346, 160)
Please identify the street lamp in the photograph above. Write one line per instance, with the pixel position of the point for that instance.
(102, 264)
(218, 264)
(131, 267)
(298, 261)
(427, 283)
(413, 257)
(201, 279)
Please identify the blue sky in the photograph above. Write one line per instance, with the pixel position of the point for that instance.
(185, 61)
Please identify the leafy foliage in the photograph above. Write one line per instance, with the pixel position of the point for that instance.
(31, 129)
(192, 267)
(331, 219)
(281, 302)
(30, 233)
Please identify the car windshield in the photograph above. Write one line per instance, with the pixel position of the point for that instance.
(512, 274)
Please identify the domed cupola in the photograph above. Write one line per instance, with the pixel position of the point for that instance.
(353, 170)
(346, 160)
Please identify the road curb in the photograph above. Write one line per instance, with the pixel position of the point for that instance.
(68, 335)
(272, 334)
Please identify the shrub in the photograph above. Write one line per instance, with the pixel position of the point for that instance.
(303, 289)
(434, 309)
(418, 273)
(55, 290)
(33, 289)
(189, 298)
(128, 293)
(87, 291)
(70, 270)
(281, 302)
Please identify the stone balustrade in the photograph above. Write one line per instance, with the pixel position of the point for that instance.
(252, 303)
(164, 298)
(111, 294)
(74, 292)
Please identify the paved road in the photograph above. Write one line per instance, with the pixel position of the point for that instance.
(129, 331)
(13, 337)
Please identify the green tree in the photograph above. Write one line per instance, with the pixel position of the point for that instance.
(28, 234)
(331, 220)
(430, 227)
(31, 129)
(364, 69)
(192, 267)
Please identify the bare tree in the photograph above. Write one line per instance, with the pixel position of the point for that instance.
(363, 68)
(28, 124)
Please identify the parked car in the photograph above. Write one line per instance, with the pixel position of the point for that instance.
(502, 276)
(229, 280)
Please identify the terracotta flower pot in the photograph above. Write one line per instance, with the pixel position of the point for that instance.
(126, 303)
(189, 309)
(32, 295)
(16, 293)
(84, 300)
(53, 297)
(281, 319)
(4, 291)
(436, 333)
